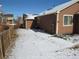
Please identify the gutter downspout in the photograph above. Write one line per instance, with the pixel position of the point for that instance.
(57, 22)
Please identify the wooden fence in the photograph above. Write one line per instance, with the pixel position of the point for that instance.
(1, 53)
(7, 37)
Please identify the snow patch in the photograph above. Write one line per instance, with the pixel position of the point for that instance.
(39, 45)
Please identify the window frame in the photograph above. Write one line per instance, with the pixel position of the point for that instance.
(64, 19)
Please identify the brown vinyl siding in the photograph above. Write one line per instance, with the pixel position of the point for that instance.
(48, 23)
(68, 11)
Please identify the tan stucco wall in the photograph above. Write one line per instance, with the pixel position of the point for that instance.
(29, 24)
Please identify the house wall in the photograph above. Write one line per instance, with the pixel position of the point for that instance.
(68, 11)
(9, 21)
(17, 24)
(29, 23)
(76, 24)
(9, 18)
(48, 23)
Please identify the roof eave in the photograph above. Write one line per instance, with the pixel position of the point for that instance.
(46, 14)
(58, 12)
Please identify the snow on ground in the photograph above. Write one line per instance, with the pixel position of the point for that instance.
(74, 38)
(39, 45)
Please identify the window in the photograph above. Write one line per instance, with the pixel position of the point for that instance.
(68, 20)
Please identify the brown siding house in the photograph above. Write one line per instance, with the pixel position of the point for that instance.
(47, 22)
(59, 20)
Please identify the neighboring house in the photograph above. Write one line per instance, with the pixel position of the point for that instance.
(8, 18)
(3, 26)
(20, 21)
(62, 19)
(1, 14)
(29, 20)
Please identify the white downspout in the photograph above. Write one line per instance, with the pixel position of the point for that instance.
(57, 22)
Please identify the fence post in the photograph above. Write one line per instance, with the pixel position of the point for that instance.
(2, 45)
(1, 52)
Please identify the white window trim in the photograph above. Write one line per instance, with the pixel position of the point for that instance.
(63, 20)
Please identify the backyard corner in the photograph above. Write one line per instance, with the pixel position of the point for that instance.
(40, 29)
(32, 44)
